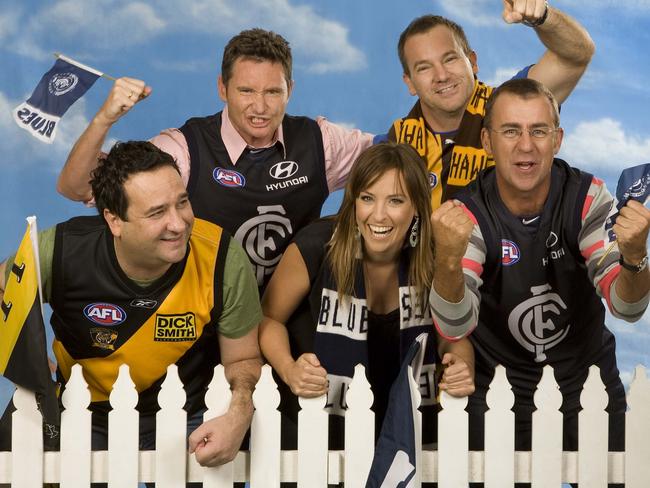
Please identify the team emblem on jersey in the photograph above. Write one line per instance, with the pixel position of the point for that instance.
(433, 180)
(510, 253)
(531, 322)
(262, 236)
(228, 177)
(105, 314)
(103, 338)
(175, 327)
(62, 83)
(283, 170)
(143, 303)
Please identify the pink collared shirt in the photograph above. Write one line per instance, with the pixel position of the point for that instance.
(341, 146)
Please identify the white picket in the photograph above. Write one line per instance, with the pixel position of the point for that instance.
(171, 432)
(123, 465)
(75, 432)
(26, 441)
(359, 430)
(123, 435)
(499, 432)
(312, 443)
(547, 433)
(217, 399)
(453, 459)
(593, 432)
(265, 433)
(637, 431)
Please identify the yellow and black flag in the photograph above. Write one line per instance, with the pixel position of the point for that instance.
(23, 352)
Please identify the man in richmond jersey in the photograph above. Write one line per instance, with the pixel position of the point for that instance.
(146, 284)
(440, 68)
(536, 269)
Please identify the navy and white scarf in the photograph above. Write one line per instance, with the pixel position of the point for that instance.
(340, 341)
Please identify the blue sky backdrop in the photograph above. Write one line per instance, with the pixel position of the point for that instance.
(345, 67)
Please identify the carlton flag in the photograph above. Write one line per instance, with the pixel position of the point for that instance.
(394, 464)
(59, 88)
(23, 354)
(633, 184)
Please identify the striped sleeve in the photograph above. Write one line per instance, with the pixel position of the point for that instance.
(591, 240)
(454, 321)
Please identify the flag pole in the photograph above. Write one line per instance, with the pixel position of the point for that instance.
(607, 251)
(84, 66)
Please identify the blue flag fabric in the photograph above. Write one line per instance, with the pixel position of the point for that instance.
(59, 88)
(394, 464)
(633, 184)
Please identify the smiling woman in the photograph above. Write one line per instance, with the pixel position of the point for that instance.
(366, 275)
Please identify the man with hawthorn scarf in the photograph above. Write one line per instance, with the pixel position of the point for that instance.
(440, 68)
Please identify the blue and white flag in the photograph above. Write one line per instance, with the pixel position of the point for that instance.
(59, 88)
(633, 184)
(394, 464)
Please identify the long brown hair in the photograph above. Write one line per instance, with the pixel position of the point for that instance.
(371, 165)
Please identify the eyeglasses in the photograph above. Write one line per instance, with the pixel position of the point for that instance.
(516, 132)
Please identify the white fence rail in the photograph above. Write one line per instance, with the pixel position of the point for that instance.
(122, 465)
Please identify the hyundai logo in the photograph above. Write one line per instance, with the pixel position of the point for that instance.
(283, 170)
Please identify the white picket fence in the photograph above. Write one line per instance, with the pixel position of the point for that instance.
(265, 465)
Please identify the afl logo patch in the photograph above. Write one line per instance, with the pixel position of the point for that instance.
(227, 177)
(433, 180)
(510, 253)
(62, 83)
(283, 170)
(104, 314)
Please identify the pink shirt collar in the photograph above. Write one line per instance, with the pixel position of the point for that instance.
(235, 144)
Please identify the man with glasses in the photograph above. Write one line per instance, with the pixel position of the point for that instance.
(536, 269)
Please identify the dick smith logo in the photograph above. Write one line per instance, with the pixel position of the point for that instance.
(175, 327)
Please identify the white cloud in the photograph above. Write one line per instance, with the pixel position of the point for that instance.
(99, 23)
(635, 6)
(8, 23)
(185, 65)
(603, 145)
(480, 13)
(20, 148)
(320, 44)
(500, 75)
(101, 26)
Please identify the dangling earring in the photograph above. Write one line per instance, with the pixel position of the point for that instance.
(358, 253)
(414, 236)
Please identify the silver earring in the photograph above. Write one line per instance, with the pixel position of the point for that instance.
(358, 252)
(414, 236)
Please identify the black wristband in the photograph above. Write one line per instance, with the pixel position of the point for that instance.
(540, 21)
(635, 268)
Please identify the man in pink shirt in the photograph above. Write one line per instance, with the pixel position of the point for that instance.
(254, 170)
